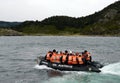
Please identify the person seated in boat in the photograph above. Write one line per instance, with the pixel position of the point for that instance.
(72, 59)
(66, 52)
(77, 54)
(81, 60)
(86, 55)
(48, 55)
(56, 57)
(54, 51)
(63, 59)
(53, 55)
(61, 52)
(71, 52)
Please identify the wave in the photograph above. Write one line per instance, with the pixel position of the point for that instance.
(111, 69)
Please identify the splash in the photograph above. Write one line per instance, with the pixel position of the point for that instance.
(41, 67)
(112, 69)
(75, 72)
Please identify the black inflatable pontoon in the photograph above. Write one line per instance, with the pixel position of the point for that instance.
(92, 67)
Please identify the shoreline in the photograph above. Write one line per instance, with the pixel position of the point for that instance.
(68, 35)
(10, 32)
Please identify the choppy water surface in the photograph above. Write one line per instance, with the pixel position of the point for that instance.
(18, 54)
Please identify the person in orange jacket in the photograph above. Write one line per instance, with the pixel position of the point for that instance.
(81, 60)
(56, 57)
(53, 57)
(74, 60)
(63, 59)
(48, 56)
(70, 59)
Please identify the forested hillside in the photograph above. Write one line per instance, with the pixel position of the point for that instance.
(4, 24)
(104, 22)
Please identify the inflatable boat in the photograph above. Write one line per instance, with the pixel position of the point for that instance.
(93, 66)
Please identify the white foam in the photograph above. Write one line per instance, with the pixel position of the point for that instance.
(66, 72)
(111, 69)
(75, 72)
(41, 67)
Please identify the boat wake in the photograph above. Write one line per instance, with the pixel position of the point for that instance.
(111, 69)
(108, 69)
(42, 67)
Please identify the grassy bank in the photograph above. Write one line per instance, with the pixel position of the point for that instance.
(9, 32)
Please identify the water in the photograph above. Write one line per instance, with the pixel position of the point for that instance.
(18, 59)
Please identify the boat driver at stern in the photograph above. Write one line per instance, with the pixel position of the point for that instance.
(86, 55)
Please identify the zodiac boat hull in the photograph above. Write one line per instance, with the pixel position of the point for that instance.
(93, 67)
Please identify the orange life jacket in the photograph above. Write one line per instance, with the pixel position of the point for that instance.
(64, 58)
(53, 58)
(80, 61)
(48, 56)
(74, 59)
(58, 56)
(70, 58)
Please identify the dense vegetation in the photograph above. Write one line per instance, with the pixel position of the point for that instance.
(4, 24)
(104, 22)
